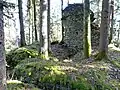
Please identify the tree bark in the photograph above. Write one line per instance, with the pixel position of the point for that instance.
(118, 37)
(33, 29)
(41, 24)
(48, 25)
(45, 31)
(29, 18)
(98, 12)
(34, 5)
(87, 30)
(112, 20)
(61, 20)
(2, 51)
(22, 34)
(104, 27)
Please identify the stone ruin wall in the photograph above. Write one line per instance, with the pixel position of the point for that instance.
(73, 27)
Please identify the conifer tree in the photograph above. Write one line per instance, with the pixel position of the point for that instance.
(87, 29)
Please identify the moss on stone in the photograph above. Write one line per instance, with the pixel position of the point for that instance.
(15, 56)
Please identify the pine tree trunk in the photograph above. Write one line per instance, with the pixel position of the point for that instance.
(104, 30)
(2, 51)
(41, 24)
(98, 12)
(67, 2)
(21, 23)
(29, 18)
(41, 38)
(34, 5)
(45, 31)
(48, 25)
(32, 21)
(118, 37)
(87, 30)
(112, 20)
(33, 29)
(61, 20)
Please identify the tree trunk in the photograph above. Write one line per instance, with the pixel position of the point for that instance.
(67, 2)
(34, 5)
(33, 25)
(21, 23)
(104, 31)
(87, 30)
(32, 21)
(41, 24)
(98, 12)
(45, 31)
(29, 18)
(118, 37)
(48, 25)
(112, 20)
(40, 31)
(61, 20)
(2, 51)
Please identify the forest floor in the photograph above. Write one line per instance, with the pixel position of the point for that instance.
(67, 73)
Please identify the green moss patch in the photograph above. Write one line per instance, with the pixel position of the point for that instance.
(54, 74)
(18, 85)
(116, 63)
(98, 80)
(51, 75)
(15, 56)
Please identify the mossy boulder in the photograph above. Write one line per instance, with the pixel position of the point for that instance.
(16, 55)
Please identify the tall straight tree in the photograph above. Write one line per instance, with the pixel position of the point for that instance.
(32, 20)
(45, 30)
(2, 51)
(98, 11)
(118, 32)
(48, 25)
(62, 20)
(111, 20)
(87, 29)
(41, 23)
(22, 34)
(29, 18)
(34, 5)
(104, 27)
(67, 2)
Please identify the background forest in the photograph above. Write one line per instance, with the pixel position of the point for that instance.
(59, 45)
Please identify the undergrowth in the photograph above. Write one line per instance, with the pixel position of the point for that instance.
(18, 85)
(31, 68)
(50, 75)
